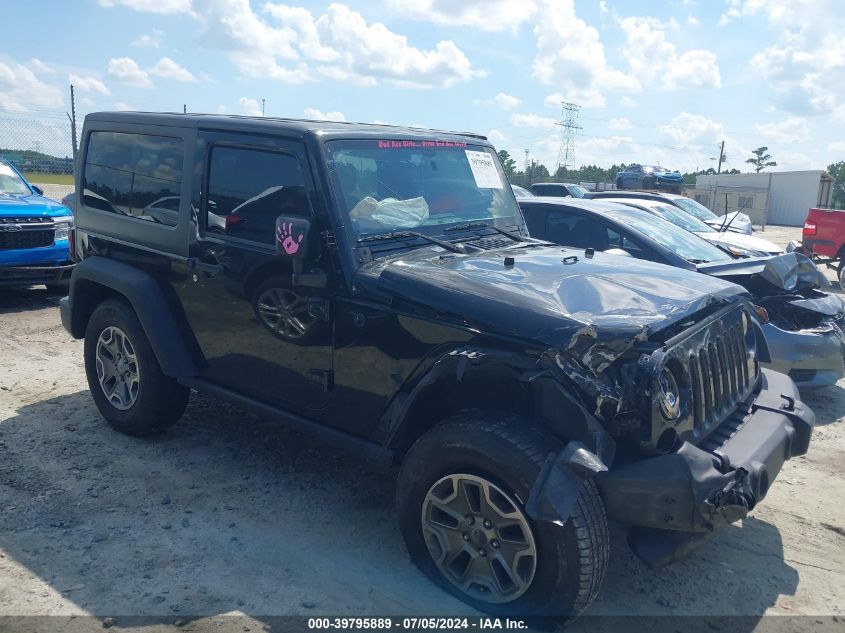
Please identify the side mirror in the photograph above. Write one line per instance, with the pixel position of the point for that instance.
(293, 234)
(37, 190)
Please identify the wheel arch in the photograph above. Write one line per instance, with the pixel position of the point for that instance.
(467, 379)
(97, 279)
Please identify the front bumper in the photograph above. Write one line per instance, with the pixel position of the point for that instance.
(35, 274)
(812, 357)
(701, 488)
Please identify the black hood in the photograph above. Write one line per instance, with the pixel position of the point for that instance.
(549, 294)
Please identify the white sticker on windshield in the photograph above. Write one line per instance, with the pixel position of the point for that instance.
(484, 170)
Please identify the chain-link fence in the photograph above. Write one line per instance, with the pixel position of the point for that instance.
(40, 145)
(722, 199)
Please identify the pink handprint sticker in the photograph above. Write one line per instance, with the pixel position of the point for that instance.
(285, 234)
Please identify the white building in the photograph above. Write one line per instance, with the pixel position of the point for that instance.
(777, 197)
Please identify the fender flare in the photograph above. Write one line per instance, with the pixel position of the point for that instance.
(155, 305)
(590, 449)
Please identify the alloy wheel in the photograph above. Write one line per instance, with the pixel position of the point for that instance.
(117, 368)
(284, 312)
(479, 538)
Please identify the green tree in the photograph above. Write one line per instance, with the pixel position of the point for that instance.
(761, 159)
(837, 172)
(508, 163)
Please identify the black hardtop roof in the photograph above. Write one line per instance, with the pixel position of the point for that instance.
(275, 124)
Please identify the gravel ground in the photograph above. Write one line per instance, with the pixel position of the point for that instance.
(225, 514)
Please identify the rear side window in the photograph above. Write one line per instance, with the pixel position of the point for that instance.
(137, 175)
(249, 188)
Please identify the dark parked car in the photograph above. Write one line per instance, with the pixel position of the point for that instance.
(649, 177)
(558, 189)
(375, 286)
(802, 326)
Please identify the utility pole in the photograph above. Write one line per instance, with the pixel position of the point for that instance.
(526, 169)
(262, 107)
(722, 157)
(72, 117)
(184, 108)
(568, 125)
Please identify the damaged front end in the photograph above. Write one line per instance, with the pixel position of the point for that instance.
(700, 432)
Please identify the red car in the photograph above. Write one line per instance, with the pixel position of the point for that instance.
(824, 237)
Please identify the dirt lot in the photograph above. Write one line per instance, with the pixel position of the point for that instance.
(227, 515)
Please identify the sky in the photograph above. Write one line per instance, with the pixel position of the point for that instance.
(656, 82)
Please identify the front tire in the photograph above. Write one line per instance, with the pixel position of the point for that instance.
(124, 376)
(461, 496)
(619, 184)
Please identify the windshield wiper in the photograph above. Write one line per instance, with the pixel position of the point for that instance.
(406, 234)
(484, 225)
(724, 228)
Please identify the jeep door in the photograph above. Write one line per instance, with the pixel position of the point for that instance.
(261, 336)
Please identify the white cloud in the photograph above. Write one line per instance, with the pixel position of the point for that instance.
(88, 84)
(168, 69)
(806, 67)
(532, 120)
(20, 89)
(693, 21)
(570, 55)
(318, 115)
(836, 148)
(622, 123)
(487, 15)
(221, 109)
(151, 6)
(250, 107)
(121, 105)
(506, 101)
(790, 130)
(589, 98)
(495, 136)
(127, 71)
(692, 129)
(628, 102)
(653, 59)
(149, 40)
(294, 46)
(40, 67)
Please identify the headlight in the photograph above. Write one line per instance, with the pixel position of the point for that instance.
(668, 395)
(63, 225)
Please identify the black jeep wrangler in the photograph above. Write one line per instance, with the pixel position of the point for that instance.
(377, 286)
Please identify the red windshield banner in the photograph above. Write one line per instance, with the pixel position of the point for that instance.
(393, 144)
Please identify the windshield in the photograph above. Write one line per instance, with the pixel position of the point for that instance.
(695, 209)
(519, 192)
(679, 241)
(11, 183)
(577, 191)
(396, 185)
(679, 218)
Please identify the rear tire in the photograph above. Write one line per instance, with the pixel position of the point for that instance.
(124, 376)
(502, 454)
(619, 184)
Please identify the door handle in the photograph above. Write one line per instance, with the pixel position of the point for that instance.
(196, 264)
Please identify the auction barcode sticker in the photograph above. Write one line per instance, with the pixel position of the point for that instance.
(484, 170)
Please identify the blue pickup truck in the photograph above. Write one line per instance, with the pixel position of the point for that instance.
(34, 233)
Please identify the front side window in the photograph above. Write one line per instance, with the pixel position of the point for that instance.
(137, 175)
(249, 188)
(396, 185)
(11, 183)
(574, 230)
